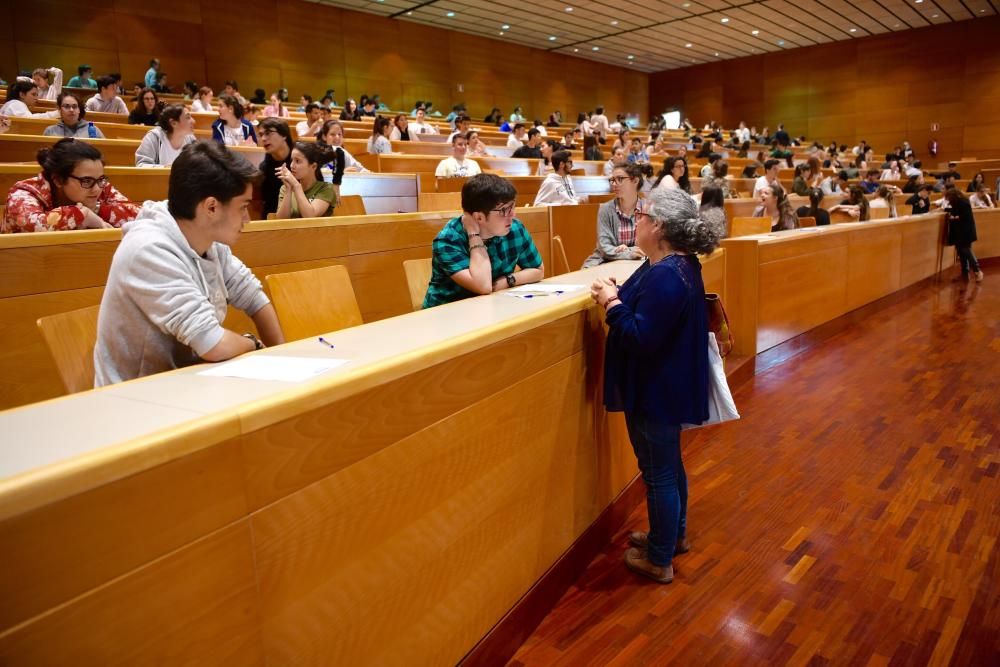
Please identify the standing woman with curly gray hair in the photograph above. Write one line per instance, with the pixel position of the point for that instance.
(656, 364)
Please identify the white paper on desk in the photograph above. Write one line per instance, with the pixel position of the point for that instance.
(281, 369)
(541, 289)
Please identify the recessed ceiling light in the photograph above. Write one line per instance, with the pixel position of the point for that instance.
(552, 38)
(918, 1)
(755, 32)
(576, 50)
(982, 11)
(781, 42)
(725, 20)
(934, 16)
(686, 5)
(569, 9)
(595, 48)
(450, 14)
(501, 33)
(853, 30)
(614, 23)
(896, 26)
(505, 27)
(631, 57)
(688, 45)
(409, 13)
(716, 53)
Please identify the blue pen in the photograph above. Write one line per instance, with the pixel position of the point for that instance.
(325, 342)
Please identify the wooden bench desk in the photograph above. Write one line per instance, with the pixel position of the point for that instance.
(116, 152)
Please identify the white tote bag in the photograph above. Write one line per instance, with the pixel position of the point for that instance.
(721, 407)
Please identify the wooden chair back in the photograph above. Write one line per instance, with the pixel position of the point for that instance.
(841, 216)
(559, 255)
(806, 221)
(71, 337)
(904, 209)
(879, 213)
(314, 301)
(350, 205)
(439, 201)
(749, 226)
(418, 276)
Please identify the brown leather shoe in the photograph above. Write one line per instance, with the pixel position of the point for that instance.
(979, 276)
(635, 560)
(640, 539)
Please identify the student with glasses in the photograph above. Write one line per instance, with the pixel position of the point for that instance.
(72, 192)
(484, 250)
(616, 218)
(71, 120)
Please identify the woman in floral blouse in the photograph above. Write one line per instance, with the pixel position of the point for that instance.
(72, 192)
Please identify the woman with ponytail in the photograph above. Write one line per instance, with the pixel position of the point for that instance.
(72, 192)
(304, 193)
(774, 204)
(656, 367)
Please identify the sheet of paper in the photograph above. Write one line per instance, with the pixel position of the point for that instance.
(281, 369)
(541, 289)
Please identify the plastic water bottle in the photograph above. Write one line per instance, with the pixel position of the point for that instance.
(91, 130)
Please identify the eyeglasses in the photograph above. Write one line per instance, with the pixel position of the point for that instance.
(70, 107)
(617, 180)
(87, 182)
(505, 211)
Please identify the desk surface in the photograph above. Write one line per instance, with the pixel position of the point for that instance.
(63, 446)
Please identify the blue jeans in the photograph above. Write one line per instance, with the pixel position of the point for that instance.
(657, 447)
(967, 259)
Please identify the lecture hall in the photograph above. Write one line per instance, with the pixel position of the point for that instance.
(461, 332)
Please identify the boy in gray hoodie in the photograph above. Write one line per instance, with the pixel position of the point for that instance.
(173, 275)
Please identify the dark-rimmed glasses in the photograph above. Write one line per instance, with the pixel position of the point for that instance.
(87, 182)
(505, 211)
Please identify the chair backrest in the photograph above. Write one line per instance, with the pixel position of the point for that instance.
(806, 221)
(559, 250)
(314, 301)
(439, 201)
(841, 216)
(418, 276)
(904, 209)
(580, 171)
(879, 212)
(70, 338)
(350, 205)
(749, 226)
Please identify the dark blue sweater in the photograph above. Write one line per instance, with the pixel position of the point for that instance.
(656, 363)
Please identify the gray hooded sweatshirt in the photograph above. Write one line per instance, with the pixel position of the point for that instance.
(164, 304)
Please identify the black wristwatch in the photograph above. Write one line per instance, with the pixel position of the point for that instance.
(257, 345)
(511, 280)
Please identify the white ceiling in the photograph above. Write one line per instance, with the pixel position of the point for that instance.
(661, 35)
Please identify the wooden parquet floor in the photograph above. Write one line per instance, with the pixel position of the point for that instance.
(850, 518)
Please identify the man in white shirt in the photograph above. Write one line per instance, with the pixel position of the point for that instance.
(540, 126)
(557, 188)
(41, 77)
(106, 100)
(599, 123)
(742, 133)
(516, 138)
(834, 185)
(461, 127)
(420, 125)
(770, 177)
(457, 165)
(313, 123)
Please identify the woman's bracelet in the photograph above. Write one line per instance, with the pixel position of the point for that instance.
(607, 304)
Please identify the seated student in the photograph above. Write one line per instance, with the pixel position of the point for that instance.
(532, 148)
(106, 100)
(458, 164)
(720, 179)
(477, 148)
(814, 210)
(190, 92)
(981, 198)
(921, 200)
(161, 83)
(304, 101)
(673, 175)
(835, 184)
(616, 218)
(231, 88)
(332, 134)
(884, 198)
(147, 108)
(977, 180)
(304, 193)
(617, 159)
(401, 129)
(275, 109)
(71, 120)
(856, 204)
(82, 78)
(557, 188)
(480, 251)
(276, 140)
(570, 142)
(173, 275)
(946, 181)
(313, 123)
(21, 95)
(162, 144)
(774, 204)
(624, 139)
(890, 173)
(71, 192)
(516, 138)
(870, 184)
(378, 142)
(368, 108)
(516, 116)
(636, 151)
(495, 117)
(462, 123)
(591, 151)
(203, 102)
(420, 124)
(540, 126)
(350, 110)
(709, 167)
(547, 148)
(770, 177)
(46, 90)
(230, 129)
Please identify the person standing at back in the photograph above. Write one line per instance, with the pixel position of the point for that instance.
(154, 68)
(962, 233)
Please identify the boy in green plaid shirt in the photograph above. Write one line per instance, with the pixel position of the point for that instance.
(480, 251)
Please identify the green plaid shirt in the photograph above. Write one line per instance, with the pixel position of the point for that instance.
(451, 255)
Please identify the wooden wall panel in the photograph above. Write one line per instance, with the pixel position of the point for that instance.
(890, 86)
(307, 48)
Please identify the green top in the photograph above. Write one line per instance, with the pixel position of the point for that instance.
(318, 190)
(451, 255)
